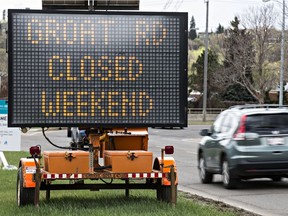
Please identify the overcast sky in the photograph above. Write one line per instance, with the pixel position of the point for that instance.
(220, 11)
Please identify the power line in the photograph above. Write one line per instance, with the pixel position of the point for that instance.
(167, 5)
(180, 2)
(238, 2)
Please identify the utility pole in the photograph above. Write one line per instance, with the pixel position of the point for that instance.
(282, 56)
(205, 63)
(281, 88)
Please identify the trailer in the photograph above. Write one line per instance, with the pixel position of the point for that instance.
(125, 157)
(108, 76)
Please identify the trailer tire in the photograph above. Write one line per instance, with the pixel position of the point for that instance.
(24, 196)
(164, 193)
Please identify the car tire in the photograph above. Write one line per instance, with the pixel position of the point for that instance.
(276, 178)
(205, 176)
(228, 182)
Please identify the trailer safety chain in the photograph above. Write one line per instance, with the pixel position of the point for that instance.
(91, 159)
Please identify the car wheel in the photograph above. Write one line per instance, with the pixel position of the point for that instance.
(205, 176)
(276, 178)
(228, 182)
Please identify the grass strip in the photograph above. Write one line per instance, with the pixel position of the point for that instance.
(106, 202)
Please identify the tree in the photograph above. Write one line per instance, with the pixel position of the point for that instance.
(260, 22)
(237, 92)
(195, 81)
(220, 29)
(3, 73)
(3, 69)
(239, 57)
(192, 31)
(243, 63)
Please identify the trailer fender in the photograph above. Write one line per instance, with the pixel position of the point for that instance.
(168, 161)
(28, 167)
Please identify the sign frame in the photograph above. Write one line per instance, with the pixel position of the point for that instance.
(183, 69)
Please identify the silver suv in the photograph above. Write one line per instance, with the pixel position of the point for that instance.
(244, 142)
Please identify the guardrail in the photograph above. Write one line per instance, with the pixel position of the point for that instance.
(208, 110)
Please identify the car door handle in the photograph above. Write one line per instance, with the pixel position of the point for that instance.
(277, 152)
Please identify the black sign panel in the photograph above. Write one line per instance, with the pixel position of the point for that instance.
(97, 68)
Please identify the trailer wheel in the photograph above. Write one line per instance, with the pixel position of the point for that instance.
(24, 196)
(164, 193)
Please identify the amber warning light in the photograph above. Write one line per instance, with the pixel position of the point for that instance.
(97, 68)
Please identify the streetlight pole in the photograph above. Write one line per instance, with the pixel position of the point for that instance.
(282, 54)
(205, 63)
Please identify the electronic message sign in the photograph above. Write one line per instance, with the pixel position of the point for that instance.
(97, 68)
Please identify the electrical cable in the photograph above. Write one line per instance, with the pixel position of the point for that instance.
(111, 181)
(61, 147)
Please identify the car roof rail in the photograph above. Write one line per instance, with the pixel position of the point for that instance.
(253, 106)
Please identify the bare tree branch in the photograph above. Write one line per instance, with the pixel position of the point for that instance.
(247, 52)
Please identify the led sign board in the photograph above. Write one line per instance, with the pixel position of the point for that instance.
(97, 68)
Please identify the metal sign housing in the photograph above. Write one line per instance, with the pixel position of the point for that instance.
(94, 4)
(86, 68)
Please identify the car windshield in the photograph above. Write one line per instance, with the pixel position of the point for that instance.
(266, 123)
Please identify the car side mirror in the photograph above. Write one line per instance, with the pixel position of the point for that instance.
(205, 132)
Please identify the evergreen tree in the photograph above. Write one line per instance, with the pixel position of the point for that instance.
(192, 31)
(195, 80)
(220, 29)
(236, 92)
(238, 62)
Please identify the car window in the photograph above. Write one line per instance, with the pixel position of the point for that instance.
(216, 127)
(226, 125)
(266, 123)
(229, 123)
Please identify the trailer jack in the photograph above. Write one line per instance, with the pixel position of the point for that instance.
(38, 182)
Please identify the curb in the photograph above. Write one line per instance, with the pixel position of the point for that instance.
(236, 204)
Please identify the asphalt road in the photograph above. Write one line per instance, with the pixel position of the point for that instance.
(261, 196)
